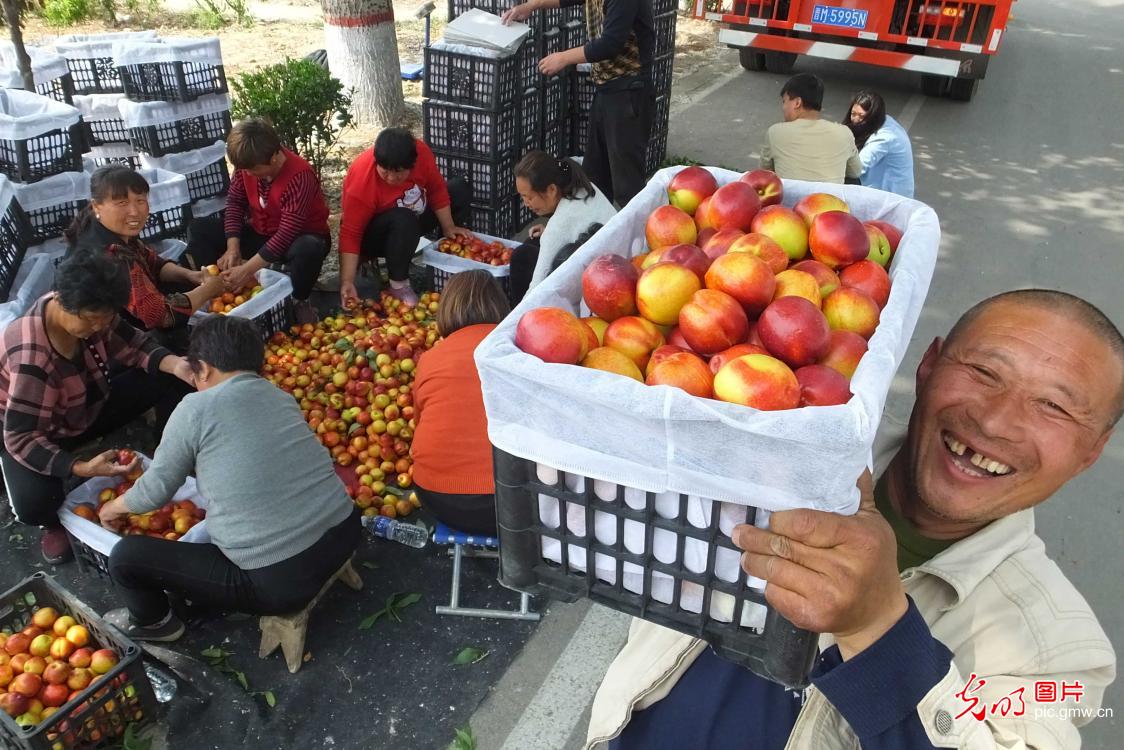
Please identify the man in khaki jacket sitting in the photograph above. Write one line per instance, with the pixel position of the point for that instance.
(945, 624)
(805, 146)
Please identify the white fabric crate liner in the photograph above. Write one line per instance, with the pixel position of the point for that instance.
(95, 46)
(66, 187)
(46, 66)
(144, 114)
(207, 207)
(431, 256)
(7, 193)
(465, 49)
(114, 151)
(659, 439)
(167, 50)
(103, 540)
(276, 286)
(187, 162)
(26, 115)
(165, 189)
(54, 248)
(34, 278)
(664, 545)
(170, 249)
(99, 106)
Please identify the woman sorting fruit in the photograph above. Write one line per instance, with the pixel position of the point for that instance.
(163, 295)
(560, 190)
(279, 529)
(392, 195)
(451, 452)
(275, 213)
(71, 370)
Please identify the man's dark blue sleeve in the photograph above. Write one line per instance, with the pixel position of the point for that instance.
(877, 692)
(570, 3)
(620, 16)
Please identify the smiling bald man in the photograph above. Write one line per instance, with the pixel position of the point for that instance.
(945, 623)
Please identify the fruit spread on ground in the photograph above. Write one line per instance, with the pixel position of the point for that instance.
(352, 375)
(739, 298)
(493, 253)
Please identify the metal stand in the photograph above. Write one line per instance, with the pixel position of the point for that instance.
(416, 71)
(453, 608)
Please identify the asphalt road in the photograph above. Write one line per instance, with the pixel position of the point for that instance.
(1028, 180)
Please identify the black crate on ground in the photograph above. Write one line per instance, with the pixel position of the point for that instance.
(661, 115)
(438, 277)
(498, 218)
(656, 152)
(581, 93)
(468, 131)
(98, 715)
(181, 135)
(60, 89)
(556, 140)
(484, 82)
(16, 235)
(172, 81)
(53, 152)
(168, 224)
(487, 178)
(104, 132)
(52, 221)
(554, 103)
(573, 34)
(579, 135)
(665, 33)
(779, 651)
(276, 319)
(661, 74)
(530, 126)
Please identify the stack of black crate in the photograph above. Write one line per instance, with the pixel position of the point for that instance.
(582, 89)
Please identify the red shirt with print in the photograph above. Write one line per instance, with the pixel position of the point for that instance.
(365, 194)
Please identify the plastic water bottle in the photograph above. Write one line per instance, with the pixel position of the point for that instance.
(403, 533)
(162, 685)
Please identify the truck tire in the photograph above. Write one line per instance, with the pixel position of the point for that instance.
(751, 59)
(934, 85)
(962, 89)
(779, 62)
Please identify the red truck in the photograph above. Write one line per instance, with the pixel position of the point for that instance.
(949, 43)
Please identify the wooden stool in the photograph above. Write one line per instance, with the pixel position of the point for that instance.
(288, 631)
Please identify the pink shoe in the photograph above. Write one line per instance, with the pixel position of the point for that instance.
(55, 546)
(405, 294)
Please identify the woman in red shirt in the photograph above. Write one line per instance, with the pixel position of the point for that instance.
(392, 195)
(451, 452)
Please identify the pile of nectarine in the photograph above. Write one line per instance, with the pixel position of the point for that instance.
(738, 298)
(171, 521)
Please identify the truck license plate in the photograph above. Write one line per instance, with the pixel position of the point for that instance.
(829, 15)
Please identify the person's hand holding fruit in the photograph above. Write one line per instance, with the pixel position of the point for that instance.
(233, 255)
(110, 463)
(240, 276)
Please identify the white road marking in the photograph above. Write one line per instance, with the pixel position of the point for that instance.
(910, 110)
(703, 93)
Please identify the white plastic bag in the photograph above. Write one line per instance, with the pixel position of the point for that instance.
(660, 439)
(144, 114)
(34, 278)
(46, 66)
(66, 187)
(165, 189)
(431, 256)
(97, 46)
(101, 539)
(187, 162)
(99, 106)
(113, 153)
(170, 249)
(26, 115)
(169, 49)
(276, 287)
(207, 207)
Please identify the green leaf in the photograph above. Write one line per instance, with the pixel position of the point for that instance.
(369, 621)
(469, 655)
(407, 600)
(355, 427)
(369, 565)
(241, 679)
(214, 653)
(270, 699)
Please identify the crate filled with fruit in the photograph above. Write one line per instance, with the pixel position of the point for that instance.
(267, 301)
(446, 257)
(180, 519)
(352, 376)
(724, 346)
(67, 680)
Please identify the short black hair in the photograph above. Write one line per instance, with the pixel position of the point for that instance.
(89, 281)
(227, 343)
(807, 88)
(395, 148)
(1062, 303)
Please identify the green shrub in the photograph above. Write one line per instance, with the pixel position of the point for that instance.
(308, 108)
(67, 12)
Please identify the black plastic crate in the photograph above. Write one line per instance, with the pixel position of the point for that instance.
(497, 7)
(576, 14)
(498, 218)
(181, 135)
(554, 103)
(486, 82)
(581, 93)
(662, 115)
(99, 715)
(779, 651)
(556, 140)
(661, 74)
(573, 34)
(468, 131)
(665, 33)
(52, 221)
(661, 7)
(168, 224)
(60, 89)
(16, 235)
(438, 277)
(212, 181)
(579, 135)
(529, 55)
(553, 41)
(104, 132)
(530, 126)
(53, 152)
(656, 152)
(172, 81)
(275, 319)
(487, 178)
(97, 75)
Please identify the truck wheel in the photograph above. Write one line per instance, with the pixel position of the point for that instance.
(751, 59)
(963, 89)
(779, 62)
(934, 85)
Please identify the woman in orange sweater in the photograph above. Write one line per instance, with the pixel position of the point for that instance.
(452, 455)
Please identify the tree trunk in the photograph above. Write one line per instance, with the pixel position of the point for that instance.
(12, 18)
(363, 55)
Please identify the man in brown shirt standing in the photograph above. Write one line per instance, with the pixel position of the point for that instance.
(805, 146)
(621, 44)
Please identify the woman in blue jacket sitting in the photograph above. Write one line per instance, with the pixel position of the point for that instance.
(883, 144)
